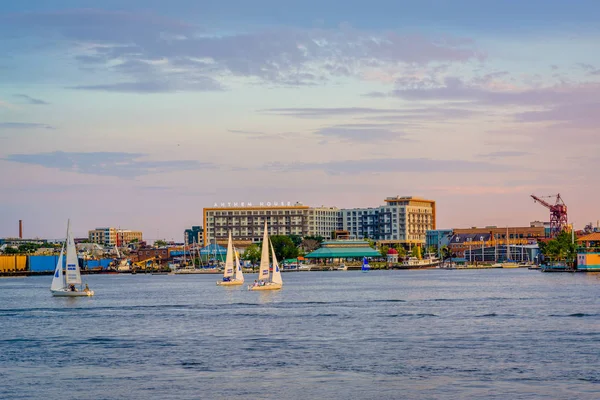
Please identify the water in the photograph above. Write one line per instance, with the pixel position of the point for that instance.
(431, 334)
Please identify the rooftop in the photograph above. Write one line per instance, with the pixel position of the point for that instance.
(344, 252)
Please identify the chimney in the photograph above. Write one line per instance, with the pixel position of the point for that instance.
(20, 229)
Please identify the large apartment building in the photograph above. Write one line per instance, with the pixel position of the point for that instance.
(246, 221)
(402, 220)
(113, 236)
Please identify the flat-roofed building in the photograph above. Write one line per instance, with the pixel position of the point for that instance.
(323, 221)
(402, 220)
(246, 221)
(114, 236)
(469, 238)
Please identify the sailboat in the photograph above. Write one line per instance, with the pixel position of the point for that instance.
(365, 265)
(509, 263)
(232, 275)
(267, 281)
(64, 283)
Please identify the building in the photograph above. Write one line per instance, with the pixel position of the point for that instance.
(323, 221)
(194, 235)
(402, 220)
(344, 250)
(493, 237)
(114, 236)
(438, 238)
(246, 221)
(588, 252)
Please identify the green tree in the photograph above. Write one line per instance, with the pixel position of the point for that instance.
(10, 250)
(28, 247)
(384, 250)
(560, 248)
(284, 247)
(252, 253)
(415, 252)
(160, 243)
(401, 252)
(296, 239)
(371, 242)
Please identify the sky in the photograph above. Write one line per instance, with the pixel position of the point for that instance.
(137, 114)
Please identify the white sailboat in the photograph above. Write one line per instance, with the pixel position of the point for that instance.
(64, 283)
(267, 281)
(232, 275)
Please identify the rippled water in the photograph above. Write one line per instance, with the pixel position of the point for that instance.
(431, 334)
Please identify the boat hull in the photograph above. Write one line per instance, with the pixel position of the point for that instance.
(269, 286)
(68, 293)
(230, 283)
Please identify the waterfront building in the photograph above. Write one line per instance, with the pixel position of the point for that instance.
(438, 238)
(194, 235)
(343, 249)
(402, 220)
(246, 221)
(323, 221)
(114, 236)
(588, 252)
(491, 236)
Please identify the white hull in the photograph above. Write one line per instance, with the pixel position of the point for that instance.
(188, 271)
(68, 293)
(268, 286)
(232, 282)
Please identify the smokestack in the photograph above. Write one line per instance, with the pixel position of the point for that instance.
(20, 229)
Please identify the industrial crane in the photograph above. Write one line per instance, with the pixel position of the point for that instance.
(558, 214)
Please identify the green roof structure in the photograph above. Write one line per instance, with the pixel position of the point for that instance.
(344, 249)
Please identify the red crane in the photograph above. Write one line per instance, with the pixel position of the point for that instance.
(558, 214)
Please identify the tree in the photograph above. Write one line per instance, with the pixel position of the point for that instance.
(160, 243)
(136, 240)
(10, 250)
(297, 239)
(415, 252)
(284, 247)
(384, 250)
(252, 253)
(560, 248)
(318, 238)
(401, 252)
(28, 247)
(309, 245)
(371, 242)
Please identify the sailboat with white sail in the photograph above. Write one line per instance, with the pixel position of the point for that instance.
(266, 280)
(232, 275)
(68, 283)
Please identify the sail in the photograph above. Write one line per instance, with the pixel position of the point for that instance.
(276, 277)
(58, 281)
(239, 274)
(365, 265)
(73, 272)
(263, 272)
(229, 259)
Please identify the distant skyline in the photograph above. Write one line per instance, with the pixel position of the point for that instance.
(138, 114)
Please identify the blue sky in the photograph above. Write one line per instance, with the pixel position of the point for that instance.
(139, 113)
